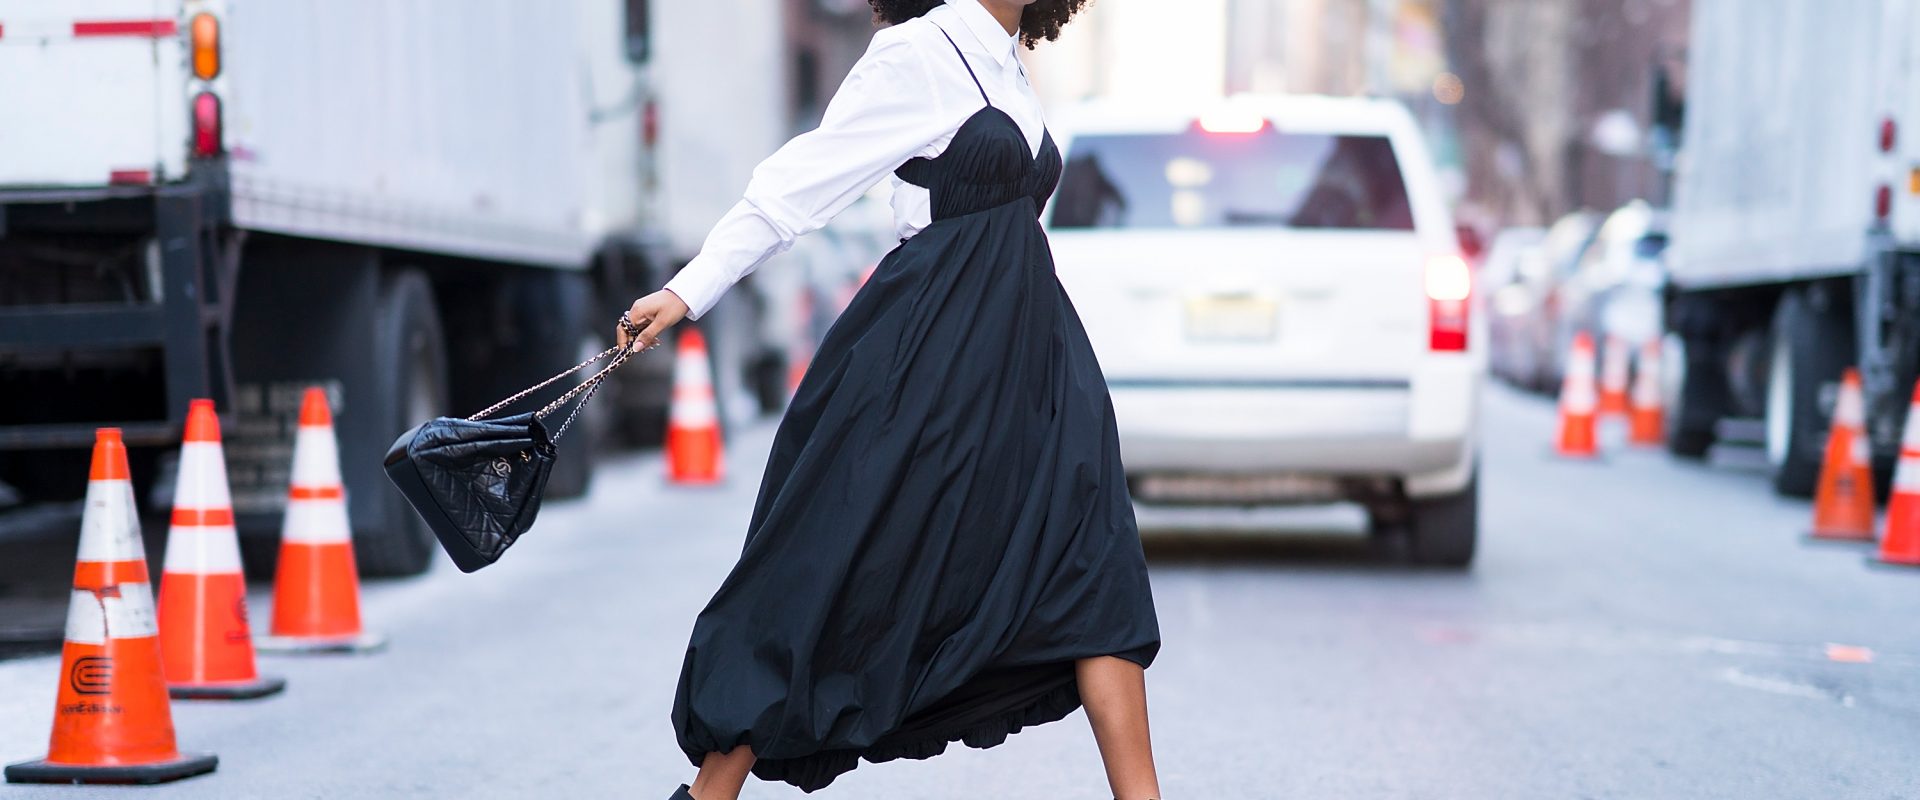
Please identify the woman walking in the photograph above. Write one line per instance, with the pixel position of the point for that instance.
(943, 548)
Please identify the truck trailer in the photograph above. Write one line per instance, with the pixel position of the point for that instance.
(1795, 247)
(420, 206)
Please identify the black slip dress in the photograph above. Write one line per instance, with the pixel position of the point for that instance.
(944, 526)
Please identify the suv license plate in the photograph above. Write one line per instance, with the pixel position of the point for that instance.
(1232, 318)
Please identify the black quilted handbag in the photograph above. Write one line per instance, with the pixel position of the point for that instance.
(477, 481)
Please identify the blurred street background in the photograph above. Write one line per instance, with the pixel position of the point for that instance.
(1514, 393)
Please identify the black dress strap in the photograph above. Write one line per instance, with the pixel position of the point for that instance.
(965, 63)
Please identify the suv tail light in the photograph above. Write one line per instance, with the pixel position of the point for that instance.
(1449, 287)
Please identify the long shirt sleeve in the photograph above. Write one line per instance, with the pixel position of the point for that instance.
(882, 115)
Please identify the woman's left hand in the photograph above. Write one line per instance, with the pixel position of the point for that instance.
(654, 314)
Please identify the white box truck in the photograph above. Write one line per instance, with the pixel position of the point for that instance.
(420, 205)
(1796, 224)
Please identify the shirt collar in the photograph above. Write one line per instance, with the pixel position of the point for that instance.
(987, 31)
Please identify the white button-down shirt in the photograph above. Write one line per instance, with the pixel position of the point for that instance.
(905, 98)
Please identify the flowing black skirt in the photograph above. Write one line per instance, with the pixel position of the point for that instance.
(942, 531)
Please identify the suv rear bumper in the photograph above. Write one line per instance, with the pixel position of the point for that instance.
(1418, 431)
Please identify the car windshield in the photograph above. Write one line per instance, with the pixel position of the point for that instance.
(1267, 179)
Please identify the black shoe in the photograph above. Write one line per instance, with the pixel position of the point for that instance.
(682, 793)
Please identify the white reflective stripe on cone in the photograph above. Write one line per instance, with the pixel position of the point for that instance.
(693, 372)
(316, 457)
(1910, 438)
(1580, 397)
(1906, 477)
(1646, 388)
(695, 411)
(1849, 410)
(1619, 363)
(1861, 453)
(202, 550)
(1581, 364)
(126, 613)
(315, 522)
(203, 477)
(109, 528)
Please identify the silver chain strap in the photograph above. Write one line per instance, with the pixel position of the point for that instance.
(620, 354)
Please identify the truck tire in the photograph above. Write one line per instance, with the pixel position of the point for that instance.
(572, 473)
(411, 365)
(1704, 393)
(1807, 355)
(1445, 530)
(770, 382)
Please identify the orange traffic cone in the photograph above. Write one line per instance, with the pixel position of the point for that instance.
(1900, 544)
(1615, 364)
(695, 453)
(1577, 402)
(316, 593)
(204, 640)
(1647, 417)
(1843, 503)
(112, 722)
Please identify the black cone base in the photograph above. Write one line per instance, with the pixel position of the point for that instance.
(291, 645)
(259, 687)
(186, 766)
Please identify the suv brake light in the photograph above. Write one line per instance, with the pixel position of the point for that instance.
(1449, 287)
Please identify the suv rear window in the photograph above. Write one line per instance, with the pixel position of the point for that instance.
(1259, 180)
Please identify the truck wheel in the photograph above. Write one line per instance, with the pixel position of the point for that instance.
(411, 365)
(1807, 354)
(1688, 436)
(1704, 397)
(1446, 529)
(572, 471)
(770, 382)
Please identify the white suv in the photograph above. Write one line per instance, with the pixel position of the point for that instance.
(1277, 297)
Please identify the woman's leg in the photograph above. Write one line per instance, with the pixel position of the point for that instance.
(722, 774)
(1114, 690)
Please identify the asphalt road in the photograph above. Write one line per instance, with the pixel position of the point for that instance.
(1633, 629)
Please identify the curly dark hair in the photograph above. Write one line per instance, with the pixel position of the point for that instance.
(1040, 21)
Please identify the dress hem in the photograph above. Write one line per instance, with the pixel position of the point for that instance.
(814, 772)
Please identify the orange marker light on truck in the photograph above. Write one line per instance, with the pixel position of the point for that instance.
(206, 46)
(1449, 285)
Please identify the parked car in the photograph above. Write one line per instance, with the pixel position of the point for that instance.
(1514, 258)
(1567, 239)
(1277, 296)
(1614, 289)
(1523, 305)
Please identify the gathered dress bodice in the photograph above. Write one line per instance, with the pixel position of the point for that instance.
(987, 165)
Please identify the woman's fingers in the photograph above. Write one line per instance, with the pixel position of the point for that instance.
(634, 318)
(650, 334)
(653, 314)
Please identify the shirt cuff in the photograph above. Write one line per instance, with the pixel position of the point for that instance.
(738, 243)
(700, 289)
